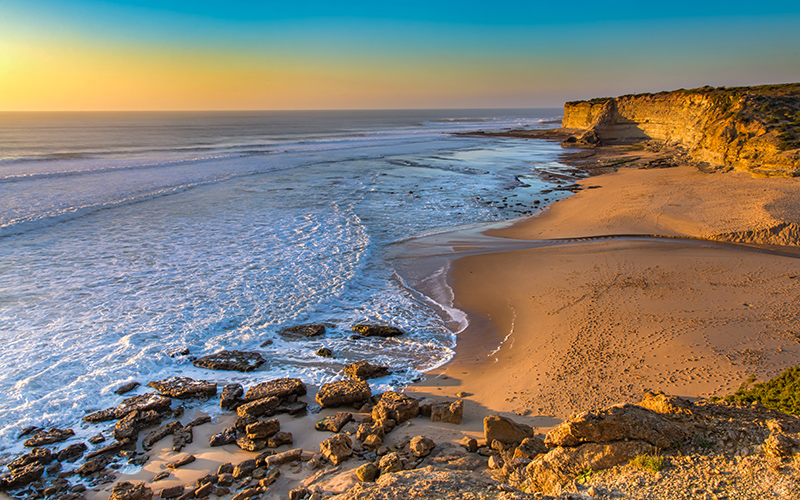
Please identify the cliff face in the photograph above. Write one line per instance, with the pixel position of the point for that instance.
(750, 128)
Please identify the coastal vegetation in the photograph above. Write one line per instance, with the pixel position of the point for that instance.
(781, 393)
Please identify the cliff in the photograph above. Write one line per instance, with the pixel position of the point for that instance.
(749, 128)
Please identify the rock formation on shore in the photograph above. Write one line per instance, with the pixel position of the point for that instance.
(750, 128)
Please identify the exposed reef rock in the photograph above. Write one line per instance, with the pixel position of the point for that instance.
(749, 128)
(242, 361)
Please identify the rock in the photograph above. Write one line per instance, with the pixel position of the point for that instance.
(616, 423)
(372, 429)
(324, 352)
(160, 433)
(258, 407)
(173, 492)
(530, 448)
(373, 442)
(495, 462)
(505, 430)
(184, 387)
(662, 403)
(181, 462)
(24, 475)
(362, 370)
(244, 469)
(94, 465)
(248, 444)
(199, 421)
(263, 430)
(390, 462)
(181, 437)
(377, 330)
(112, 448)
(470, 444)
(279, 388)
(71, 452)
(228, 436)
(368, 472)
(127, 388)
(241, 361)
(130, 491)
(129, 426)
(421, 446)
(334, 423)
(43, 438)
(284, 458)
(241, 423)
(779, 445)
(231, 396)
(337, 448)
(271, 476)
(448, 412)
(292, 408)
(204, 490)
(40, 456)
(343, 392)
(280, 439)
(303, 331)
(299, 493)
(161, 475)
(395, 406)
(561, 465)
(225, 479)
(97, 439)
(144, 402)
(248, 493)
(101, 416)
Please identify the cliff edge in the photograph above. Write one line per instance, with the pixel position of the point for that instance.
(756, 129)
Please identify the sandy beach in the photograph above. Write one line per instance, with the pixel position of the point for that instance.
(585, 324)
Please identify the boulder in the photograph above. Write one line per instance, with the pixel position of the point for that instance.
(469, 443)
(241, 361)
(258, 408)
(181, 462)
(129, 426)
(248, 444)
(366, 330)
(39, 456)
(370, 429)
(372, 441)
(263, 430)
(71, 452)
(112, 448)
(363, 370)
(530, 448)
(244, 468)
(337, 448)
(181, 437)
(779, 445)
(280, 439)
(324, 352)
(343, 392)
(421, 446)
(184, 387)
(299, 331)
(561, 465)
(231, 396)
(662, 403)
(144, 402)
(334, 423)
(94, 465)
(43, 438)
(279, 388)
(505, 430)
(291, 408)
(391, 462)
(22, 476)
(101, 416)
(248, 493)
(130, 491)
(368, 472)
(395, 406)
(283, 458)
(618, 422)
(125, 388)
(448, 412)
(157, 435)
(227, 436)
(173, 492)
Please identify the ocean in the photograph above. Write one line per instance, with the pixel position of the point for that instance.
(127, 238)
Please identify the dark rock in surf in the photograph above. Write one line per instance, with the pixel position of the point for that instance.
(184, 387)
(143, 402)
(279, 388)
(127, 388)
(363, 370)
(303, 331)
(242, 361)
(43, 438)
(231, 396)
(366, 330)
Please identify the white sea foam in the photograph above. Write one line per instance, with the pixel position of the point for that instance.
(116, 252)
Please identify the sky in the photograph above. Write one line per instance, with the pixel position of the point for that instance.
(99, 55)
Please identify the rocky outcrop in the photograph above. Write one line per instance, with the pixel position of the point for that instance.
(750, 128)
(363, 370)
(343, 392)
(505, 430)
(279, 388)
(242, 361)
(302, 331)
(184, 387)
(377, 330)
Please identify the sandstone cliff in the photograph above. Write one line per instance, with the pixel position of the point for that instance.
(750, 128)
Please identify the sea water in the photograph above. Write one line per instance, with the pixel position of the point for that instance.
(126, 239)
